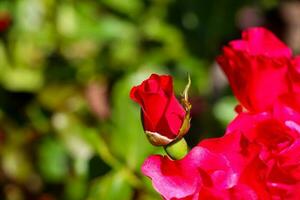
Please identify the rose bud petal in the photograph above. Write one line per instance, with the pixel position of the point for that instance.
(162, 115)
(256, 67)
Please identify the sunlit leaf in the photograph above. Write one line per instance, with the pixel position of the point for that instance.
(52, 160)
(110, 187)
(224, 109)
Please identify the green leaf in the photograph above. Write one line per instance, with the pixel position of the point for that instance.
(224, 109)
(52, 160)
(16, 165)
(111, 187)
(76, 188)
(66, 20)
(22, 79)
(130, 7)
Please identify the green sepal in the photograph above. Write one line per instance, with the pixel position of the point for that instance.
(177, 149)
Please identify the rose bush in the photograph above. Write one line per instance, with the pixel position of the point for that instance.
(162, 114)
(258, 158)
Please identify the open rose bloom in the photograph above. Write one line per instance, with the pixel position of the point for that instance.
(258, 158)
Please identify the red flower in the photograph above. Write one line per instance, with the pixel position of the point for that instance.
(193, 177)
(294, 73)
(275, 171)
(259, 156)
(5, 20)
(211, 170)
(162, 114)
(256, 67)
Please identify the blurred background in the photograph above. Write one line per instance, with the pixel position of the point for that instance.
(68, 129)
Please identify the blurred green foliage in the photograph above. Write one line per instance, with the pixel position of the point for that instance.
(68, 128)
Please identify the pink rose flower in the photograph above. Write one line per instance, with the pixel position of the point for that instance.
(277, 163)
(256, 67)
(211, 170)
(194, 177)
(258, 158)
(294, 74)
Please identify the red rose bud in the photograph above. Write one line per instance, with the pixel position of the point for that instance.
(165, 120)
